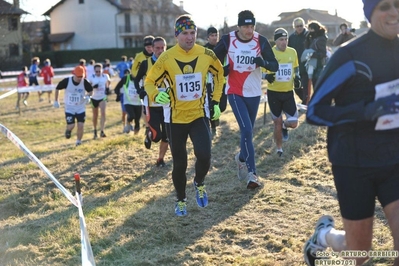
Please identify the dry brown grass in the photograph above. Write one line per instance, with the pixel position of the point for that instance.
(128, 202)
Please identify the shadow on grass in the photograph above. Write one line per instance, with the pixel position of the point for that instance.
(152, 235)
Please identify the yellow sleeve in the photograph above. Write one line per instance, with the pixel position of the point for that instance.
(216, 68)
(136, 64)
(154, 79)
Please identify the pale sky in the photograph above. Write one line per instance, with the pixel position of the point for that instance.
(212, 12)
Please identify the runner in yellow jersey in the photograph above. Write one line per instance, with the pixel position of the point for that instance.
(280, 89)
(184, 67)
(154, 112)
(140, 57)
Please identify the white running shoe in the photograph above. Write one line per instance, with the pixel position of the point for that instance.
(252, 181)
(242, 170)
(313, 245)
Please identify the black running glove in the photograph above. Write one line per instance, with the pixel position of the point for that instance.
(270, 77)
(297, 82)
(142, 93)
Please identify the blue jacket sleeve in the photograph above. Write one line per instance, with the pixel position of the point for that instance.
(221, 48)
(334, 86)
(268, 55)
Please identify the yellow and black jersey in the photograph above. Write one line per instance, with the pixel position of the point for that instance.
(186, 72)
(140, 57)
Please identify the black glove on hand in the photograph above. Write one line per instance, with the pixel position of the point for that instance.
(259, 61)
(118, 98)
(226, 70)
(297, 82)
(95, 86)
(382, 106)
(142, 93)
(270, 77)
(107, 91)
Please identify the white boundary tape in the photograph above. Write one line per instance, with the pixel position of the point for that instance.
(38, 78)
(32, 88)
(17, 142)
(16, 73)
(8, 93)
(87, 253)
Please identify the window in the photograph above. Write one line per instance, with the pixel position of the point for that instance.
(128, 42)
(12, 24)
(127, 23)
(14, 49)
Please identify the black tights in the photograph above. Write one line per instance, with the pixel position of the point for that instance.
(200, 136)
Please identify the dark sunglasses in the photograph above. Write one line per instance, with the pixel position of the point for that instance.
(387, 6)
(298, 26)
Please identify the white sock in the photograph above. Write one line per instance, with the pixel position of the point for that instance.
(321, 238)
(336, 239)
(284, 125)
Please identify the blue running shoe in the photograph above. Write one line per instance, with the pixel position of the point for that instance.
(181, 208)
(201, 195)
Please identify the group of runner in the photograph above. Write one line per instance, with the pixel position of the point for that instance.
(173, 86)
(30, 78)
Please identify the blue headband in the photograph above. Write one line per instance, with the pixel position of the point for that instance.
(368, 7)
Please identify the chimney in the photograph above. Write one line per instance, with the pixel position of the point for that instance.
(181, 5)
(16, 3)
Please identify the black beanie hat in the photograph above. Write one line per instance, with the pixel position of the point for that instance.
(212, 30)
(280, 32)
(148, 40)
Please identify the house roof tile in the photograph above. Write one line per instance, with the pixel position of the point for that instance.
(310, 14)
(140, 5)
(60, 37)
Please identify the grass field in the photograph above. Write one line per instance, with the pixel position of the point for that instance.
(129, 202)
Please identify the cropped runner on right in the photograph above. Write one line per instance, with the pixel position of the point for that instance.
(356, 97)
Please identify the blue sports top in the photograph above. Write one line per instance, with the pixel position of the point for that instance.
(346, 85)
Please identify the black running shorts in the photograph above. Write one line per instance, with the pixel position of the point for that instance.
(358, 188)
(280, 102)
(70, 118)
(95, 103)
